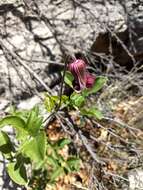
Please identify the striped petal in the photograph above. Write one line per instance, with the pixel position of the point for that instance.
(78, 69)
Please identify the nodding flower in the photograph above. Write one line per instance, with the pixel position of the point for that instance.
(82, 78)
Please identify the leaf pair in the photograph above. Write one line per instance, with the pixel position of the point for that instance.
(29, 124)
(32, 143)
(99, 83)
(35, 150)
(51, 102)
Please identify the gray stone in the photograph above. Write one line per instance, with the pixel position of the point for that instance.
(135, 179)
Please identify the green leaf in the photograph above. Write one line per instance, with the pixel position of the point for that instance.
(92, 112)
(77, 99)
(17, 123)
(5, 144)
(69, 78)
(34, 122)
(64, 99)
(99, 83)
(49, 103)
(56, 173)
(17, 174)
(23, 114)
(56, 99)
(52, 161)
(35, 149)
(73, 163)
(62, 142)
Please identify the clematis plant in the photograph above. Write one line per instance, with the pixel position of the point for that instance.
(82, 78)
(86, 83)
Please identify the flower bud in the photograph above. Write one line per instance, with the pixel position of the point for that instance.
(82, 79)
(78, 69)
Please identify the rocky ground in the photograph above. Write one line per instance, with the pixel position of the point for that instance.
(40, 35)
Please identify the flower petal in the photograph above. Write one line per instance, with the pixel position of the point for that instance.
(90, 80)
(78, 69)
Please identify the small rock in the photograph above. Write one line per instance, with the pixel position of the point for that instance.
(29, 103)
(135, 179)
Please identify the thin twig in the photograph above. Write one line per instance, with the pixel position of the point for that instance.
(62, 83)
(89, 149)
